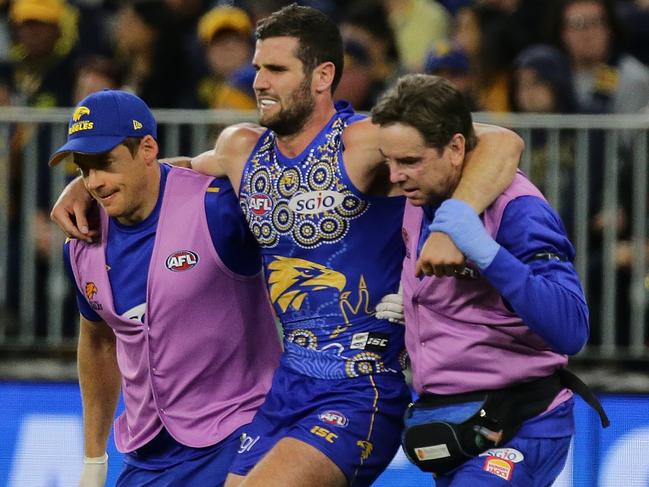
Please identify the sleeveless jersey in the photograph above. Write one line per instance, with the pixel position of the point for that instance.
(330, 253)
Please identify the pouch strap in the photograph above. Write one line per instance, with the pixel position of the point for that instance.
(571, 381)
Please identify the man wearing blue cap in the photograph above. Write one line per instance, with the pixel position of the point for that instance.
(153, 301)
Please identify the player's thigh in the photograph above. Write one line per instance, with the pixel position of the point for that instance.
(233, 480)
(293, 463)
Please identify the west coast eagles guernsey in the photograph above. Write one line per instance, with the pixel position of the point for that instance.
(329, 254)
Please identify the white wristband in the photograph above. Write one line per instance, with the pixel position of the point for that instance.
(96, 460)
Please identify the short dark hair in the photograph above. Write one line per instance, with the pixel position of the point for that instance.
(318, 36)
(430, 104)
(132, 144)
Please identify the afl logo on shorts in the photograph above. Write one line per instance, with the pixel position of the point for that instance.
(181, 260)
(260, 204)
(334, 418)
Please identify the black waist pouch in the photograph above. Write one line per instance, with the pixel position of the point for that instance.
(442, 432)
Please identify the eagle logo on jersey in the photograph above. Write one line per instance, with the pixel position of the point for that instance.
(291, 279)
(91, 290)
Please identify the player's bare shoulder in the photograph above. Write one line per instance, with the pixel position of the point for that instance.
(233, 147)
(230, 153)
(237, 141)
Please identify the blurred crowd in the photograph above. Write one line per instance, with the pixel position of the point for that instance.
(550, 56)
(568, 56)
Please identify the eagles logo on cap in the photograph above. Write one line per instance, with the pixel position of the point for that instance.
(80, 112)
(78, 123)
(103, 120)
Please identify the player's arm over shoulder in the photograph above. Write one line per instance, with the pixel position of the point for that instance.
(363, 161)
(490, 167)
(232, 148)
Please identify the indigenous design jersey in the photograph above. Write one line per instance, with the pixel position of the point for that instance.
(330, 254)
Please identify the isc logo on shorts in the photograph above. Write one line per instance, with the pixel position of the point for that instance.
(371, 341)
(334, 418)
(324, 433)
(260, 204)
(181, 260)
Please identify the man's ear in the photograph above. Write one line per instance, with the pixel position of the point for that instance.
(149, 149)
(323, 76)
(457, 149)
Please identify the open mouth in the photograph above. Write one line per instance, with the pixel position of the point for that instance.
(266, 103)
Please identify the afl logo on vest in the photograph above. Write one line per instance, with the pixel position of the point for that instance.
(260, 204)
(182, 260)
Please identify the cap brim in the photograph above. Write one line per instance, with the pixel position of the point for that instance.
(86, 145)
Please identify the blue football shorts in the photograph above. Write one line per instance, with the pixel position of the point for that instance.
(521, 462)
(533, 458)
(355, 422)
(163, 462)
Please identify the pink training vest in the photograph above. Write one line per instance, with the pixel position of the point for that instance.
(202, 361)
(459, 334)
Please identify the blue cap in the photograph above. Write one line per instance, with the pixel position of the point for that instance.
(103, 120)
(444, 57)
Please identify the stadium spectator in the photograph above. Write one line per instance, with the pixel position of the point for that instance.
(452, 63)
(371, 50)
(487, 343)
(479, 32)
(634, 16)
(454, 5)
(4, 31)
(226, 33)
(95, 19)
(607, 79)
(260, 9)
(542, 83)
(96, 73)
(39, 73)
(41, 69)
(155, 64)
(191, 374)
(417, 25)
(522, 26)
(334, 413)
(357, 84)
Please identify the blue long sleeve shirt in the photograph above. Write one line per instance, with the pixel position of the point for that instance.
(534, 272)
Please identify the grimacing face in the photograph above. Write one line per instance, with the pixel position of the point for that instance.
(284, 96)
(118, 181)
(426, 175)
